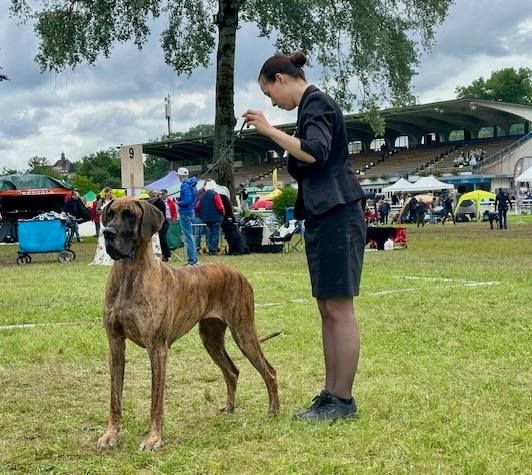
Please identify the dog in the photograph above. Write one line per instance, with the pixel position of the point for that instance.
(492, 217)
(153, 305)
(235, 239)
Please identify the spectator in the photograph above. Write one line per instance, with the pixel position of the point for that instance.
(171, 206)
(420, 213)
(384, 211)
(186, 203)
(502, 203)
(244, 198)
(211, 211)
(74, 208)
(412, 207)
(157, 200)
(95, 216)
(447, 209)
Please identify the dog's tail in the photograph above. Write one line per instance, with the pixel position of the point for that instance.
(267, 337)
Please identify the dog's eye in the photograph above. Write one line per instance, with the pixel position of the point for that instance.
(127, 214)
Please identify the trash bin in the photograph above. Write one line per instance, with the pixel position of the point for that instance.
(289, 214)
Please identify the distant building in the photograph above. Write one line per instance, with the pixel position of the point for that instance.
(64, 166)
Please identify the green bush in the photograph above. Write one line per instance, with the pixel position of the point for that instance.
(287, 199)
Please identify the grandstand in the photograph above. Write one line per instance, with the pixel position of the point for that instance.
(417, 141)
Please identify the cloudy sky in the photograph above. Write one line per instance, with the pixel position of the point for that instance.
(120, 100)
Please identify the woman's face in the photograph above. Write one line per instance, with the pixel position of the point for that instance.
(279, 91)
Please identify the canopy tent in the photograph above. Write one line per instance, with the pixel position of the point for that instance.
(272, 195)
(32, 185)
(476, 196)
(262, 204)
(116, 192)
(404, 214)
(165, 183)
(89, 197)
(526, 176)
(399, 185)
(429, 183)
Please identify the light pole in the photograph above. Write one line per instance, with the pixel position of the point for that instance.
(168, 111)
(168, 114)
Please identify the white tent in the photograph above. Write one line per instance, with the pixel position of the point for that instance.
(399, 185)
(429, 183)
(525, 176)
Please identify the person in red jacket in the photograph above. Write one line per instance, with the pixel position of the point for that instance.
(210, 210)
(171, 206)
(95, 216)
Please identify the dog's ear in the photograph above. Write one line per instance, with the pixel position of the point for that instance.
(152, 220)
(105, 211)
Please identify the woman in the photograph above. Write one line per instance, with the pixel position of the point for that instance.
(330, 200)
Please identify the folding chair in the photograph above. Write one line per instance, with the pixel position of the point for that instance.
(290, 235)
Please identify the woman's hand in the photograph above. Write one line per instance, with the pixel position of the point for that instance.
(256, 119)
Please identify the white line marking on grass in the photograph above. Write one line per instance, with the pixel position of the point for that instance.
(445, 280)
(396, 291)
(468, 283)
(36, 325)
(276, 304)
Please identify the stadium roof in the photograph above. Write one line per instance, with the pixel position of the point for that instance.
(414, 121)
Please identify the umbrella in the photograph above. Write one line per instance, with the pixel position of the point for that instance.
(262, 204)
(220, 189)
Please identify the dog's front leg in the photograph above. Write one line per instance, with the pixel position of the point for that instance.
(117, 350)
(158, 355)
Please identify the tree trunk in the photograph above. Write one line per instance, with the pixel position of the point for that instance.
(225, 122)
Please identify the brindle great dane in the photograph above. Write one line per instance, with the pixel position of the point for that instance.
(154, 304)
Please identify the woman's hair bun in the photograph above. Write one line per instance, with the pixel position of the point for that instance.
(298, 58)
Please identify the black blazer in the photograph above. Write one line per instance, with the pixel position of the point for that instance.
(330, 181)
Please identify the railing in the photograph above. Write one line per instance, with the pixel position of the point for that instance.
(501, 153)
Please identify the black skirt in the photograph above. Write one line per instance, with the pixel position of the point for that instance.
(335, 243)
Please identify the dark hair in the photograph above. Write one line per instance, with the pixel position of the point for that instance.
(290, 65)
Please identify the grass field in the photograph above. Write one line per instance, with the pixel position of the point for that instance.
(444, 381)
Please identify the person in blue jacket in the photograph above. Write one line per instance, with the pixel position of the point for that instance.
(331, 201)
(186, 203)
(210, 209)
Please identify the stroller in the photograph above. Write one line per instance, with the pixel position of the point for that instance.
(285, 234)
(39, 235)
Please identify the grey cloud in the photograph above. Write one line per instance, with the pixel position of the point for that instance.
(471, 30)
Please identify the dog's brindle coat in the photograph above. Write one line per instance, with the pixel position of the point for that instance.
(154, 304)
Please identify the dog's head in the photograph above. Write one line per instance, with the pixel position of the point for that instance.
(129, 223)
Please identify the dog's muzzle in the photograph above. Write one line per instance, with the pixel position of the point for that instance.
(110, 234)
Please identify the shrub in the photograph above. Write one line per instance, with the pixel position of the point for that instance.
(286, 199)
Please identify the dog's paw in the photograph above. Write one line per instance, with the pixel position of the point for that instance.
(108, 441)
(151, 443)
(229, 408)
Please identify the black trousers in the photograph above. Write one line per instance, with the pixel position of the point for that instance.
(503, 224)
(165, 248)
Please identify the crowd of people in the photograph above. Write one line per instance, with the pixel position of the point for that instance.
(200, 213)
(472, 158)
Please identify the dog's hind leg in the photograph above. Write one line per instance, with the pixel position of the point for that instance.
(246, 338)
(212, 331)
(117, 360)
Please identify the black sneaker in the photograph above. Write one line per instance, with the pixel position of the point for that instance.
(331, 409)
(322, 398)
